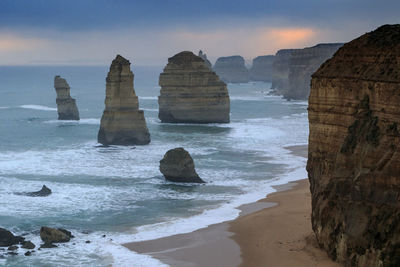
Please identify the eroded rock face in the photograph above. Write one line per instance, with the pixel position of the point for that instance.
(204, 57)
(354, 160)
(122, 122)
(261, 70)
(178, 166)
(232, 69)
(191, 92)
(302, 64)
(66, 105)
(280, 71)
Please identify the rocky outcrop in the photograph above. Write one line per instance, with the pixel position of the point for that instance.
(354, 160)
(178, 166)
(191, 92)
(280, 71)
(66, 105)
(9, 239)
(232, 69)
(52, 235)
(204, 57)
(261, 70)
(122, 122)
(302, 64)
(44, 192)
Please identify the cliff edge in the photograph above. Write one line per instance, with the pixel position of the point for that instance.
(354, 160)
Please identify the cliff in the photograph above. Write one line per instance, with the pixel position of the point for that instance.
(302, 64)
(354, 160)
(261, 69)
(204, 57)
(280, 71)
(122, 122)
(66, 105)
(191, 92)
(232, 69)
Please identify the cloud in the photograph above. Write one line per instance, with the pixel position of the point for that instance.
(15, 43)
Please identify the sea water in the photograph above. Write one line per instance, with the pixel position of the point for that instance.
(118, 192)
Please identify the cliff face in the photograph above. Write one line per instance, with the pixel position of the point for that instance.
(280, 71)
(66, 105)
(232, 69)
(261, 70)
(354, 160)
(191, 92)
(122, 122)
(302, 64)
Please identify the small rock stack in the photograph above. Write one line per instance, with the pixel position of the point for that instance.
(66, 105)
(122, 122)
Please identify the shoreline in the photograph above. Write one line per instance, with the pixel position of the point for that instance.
(237, 242)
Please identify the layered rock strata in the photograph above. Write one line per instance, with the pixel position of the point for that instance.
(280, 71)
(204, 57)
(122, 122)
(66, 105)
(191, 92)
(261, 69)
(302, 64)
(232, 69)
(354, 160)
(178, 166)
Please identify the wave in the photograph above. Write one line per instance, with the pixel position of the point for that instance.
(4, 107)
(38, 107)
(89, 121)
(148, 97)
(150, 109)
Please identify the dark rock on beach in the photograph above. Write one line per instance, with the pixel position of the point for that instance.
(178, 166)
(47, 245)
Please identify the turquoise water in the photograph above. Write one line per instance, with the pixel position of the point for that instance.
(119, 191)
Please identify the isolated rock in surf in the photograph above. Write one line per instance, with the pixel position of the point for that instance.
(44, 192)
(66, 105)
(122, 122)
(178, 166)
(52, 235)
(354, 160)
(9, 239)
(191, 92)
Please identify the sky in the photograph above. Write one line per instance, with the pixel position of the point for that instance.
(147, 32)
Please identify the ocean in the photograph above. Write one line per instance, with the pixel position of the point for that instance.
(118, 191)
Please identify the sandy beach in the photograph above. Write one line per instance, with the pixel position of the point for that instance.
(275, 231)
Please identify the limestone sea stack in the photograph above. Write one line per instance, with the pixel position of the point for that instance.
(261, 70)
(191, 92)
(302, 64)
(66, 105)
(353, 159)
(204, 57)
(178, 166)
(280, 71)
(122, 122)
(232, 69)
